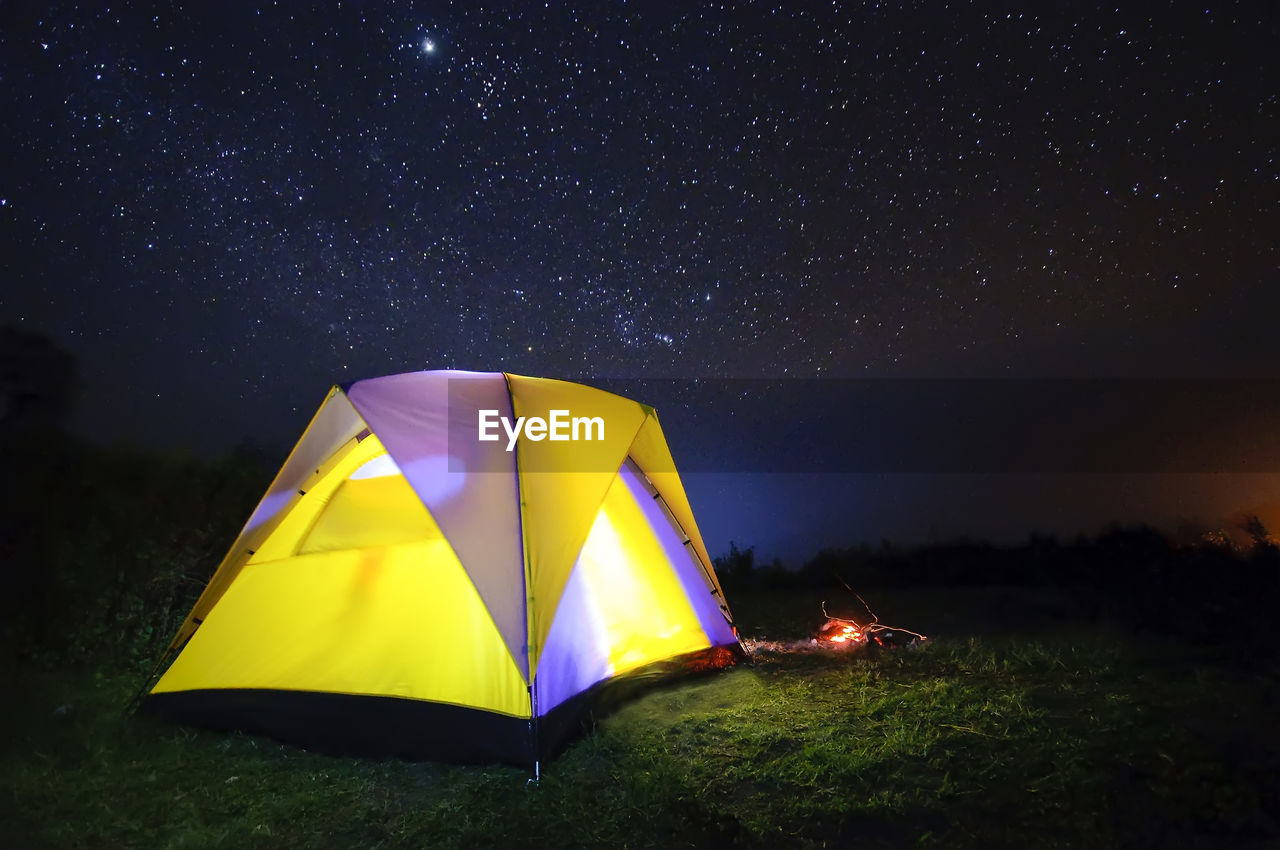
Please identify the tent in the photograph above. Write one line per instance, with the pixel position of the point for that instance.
(422, 580)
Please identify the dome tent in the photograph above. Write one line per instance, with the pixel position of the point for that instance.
(407, 588)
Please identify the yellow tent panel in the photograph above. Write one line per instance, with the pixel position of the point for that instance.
(352, 622)
(644, 615)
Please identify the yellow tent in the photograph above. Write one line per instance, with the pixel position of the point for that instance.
(450, 565)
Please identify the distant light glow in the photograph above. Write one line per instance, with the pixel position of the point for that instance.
(428, 46)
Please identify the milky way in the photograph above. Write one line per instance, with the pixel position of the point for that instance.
(222, 210)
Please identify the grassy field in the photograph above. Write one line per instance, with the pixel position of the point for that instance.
(999, 733)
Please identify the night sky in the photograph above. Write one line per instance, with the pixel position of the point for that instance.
(223, 209)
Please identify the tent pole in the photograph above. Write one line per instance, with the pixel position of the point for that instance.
(533, 736)
(688, 544)
(537, 744)
(530, 630)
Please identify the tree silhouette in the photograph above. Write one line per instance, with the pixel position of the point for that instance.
(38, 381)
(736, 567)
(1258, 535)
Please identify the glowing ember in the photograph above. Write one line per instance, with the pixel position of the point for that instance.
(840, 632)
(846, 633)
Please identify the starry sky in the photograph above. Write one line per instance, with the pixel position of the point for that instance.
(223, 209)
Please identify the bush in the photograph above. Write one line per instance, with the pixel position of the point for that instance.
(103, 552)
(1132, 575)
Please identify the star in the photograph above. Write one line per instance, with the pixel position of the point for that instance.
(428, 46)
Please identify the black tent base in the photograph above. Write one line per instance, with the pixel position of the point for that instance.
(351, 725)
(416, 730)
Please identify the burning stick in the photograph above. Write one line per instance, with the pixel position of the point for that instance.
(841, 630)
(836, 634)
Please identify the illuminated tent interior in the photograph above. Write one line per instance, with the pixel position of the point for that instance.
(404, 588)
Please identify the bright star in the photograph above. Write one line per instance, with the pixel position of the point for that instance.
(428, 46)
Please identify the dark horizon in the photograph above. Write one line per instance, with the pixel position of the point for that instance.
(789, 468)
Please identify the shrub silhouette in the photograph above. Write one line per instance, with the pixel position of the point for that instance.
(38, 382)
(105, 550)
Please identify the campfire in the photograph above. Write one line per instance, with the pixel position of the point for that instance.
(840, 631)
(839, 634)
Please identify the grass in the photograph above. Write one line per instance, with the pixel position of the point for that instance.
(1048, 739)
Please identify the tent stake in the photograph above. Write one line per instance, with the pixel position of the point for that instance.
(132, 705)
